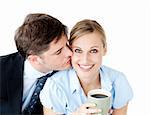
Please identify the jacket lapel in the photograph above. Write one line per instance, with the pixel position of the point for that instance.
(15, 84)
(15, 94)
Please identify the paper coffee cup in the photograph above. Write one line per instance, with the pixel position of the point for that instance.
(101, 98)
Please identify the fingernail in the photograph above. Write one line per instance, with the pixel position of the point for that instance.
(99, 110)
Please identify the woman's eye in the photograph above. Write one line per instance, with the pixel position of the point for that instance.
(77, 51)
(94, 51)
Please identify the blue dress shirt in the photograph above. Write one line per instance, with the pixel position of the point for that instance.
(64, 94)
(30, 78)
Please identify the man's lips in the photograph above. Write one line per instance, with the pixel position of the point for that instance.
(68, 61)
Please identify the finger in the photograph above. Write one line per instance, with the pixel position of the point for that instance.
(60, 113)
(89, 105)
(93, 110)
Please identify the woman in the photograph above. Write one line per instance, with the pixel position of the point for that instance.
(66, 92)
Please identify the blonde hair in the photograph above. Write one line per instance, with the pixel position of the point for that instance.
(84, 27)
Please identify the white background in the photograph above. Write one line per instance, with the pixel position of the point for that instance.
(127, 27)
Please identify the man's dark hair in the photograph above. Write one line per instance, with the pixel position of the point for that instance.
(37, 31)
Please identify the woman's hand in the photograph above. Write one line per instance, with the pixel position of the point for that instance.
(48, 111)
(86, 109)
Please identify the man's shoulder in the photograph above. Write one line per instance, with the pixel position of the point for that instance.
(11, 62)
(13, 57)
(15, 54)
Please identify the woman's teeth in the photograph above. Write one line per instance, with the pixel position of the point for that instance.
(85, 66)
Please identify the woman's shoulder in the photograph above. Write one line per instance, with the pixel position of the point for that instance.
(61, 77)
(120, 86)
(110, 70)
(111, 73)
(63, 74)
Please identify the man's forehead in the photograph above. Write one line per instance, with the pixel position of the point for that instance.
(58, 44)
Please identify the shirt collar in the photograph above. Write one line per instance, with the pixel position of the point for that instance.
(75, 84)
(30, 72)
(74, 81)
(105, 79)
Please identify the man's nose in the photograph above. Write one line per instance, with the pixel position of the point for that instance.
(68, 51)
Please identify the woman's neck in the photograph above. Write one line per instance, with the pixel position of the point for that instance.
(92, 84)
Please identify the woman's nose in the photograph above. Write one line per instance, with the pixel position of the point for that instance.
(85, 58)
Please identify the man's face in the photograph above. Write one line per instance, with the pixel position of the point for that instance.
(57, 57)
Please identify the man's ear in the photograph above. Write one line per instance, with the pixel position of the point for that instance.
(33, 59)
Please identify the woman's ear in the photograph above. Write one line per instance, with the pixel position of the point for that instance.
(104, 51)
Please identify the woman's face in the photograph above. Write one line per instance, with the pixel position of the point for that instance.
(87, 55)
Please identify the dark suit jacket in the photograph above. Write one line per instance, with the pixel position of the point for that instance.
(11, 85)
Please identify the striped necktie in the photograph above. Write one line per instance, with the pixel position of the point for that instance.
(35, 96)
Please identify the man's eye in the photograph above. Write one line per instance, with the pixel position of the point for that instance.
(58, 52)
(77, 51)
(94, 51)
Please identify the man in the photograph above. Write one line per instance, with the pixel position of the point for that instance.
(42, 47)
